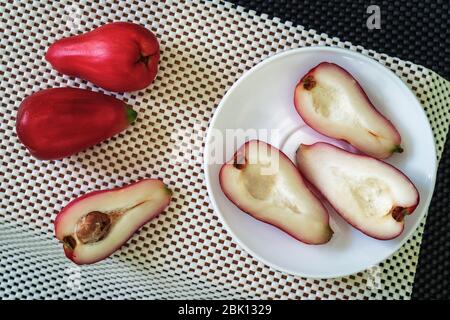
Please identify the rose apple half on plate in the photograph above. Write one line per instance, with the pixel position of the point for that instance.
(263, 182)
(332, 102)
(98, 223)
(368, 193)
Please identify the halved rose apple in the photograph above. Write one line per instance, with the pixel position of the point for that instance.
(98, 223)
(263, 182)
(332, 102)
(368, 193)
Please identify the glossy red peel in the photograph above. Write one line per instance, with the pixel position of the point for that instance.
(118, 56)
(59, 122)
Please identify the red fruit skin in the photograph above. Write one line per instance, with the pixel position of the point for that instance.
(112, 56)
(56, 123)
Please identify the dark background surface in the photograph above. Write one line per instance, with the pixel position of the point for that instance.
(417, 31)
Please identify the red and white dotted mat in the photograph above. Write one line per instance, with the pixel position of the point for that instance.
(185, 252)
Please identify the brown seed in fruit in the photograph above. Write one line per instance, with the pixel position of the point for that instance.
(309, 83)
(93, 227)
(398, 213)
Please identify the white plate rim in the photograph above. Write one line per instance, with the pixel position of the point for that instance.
(221, 105)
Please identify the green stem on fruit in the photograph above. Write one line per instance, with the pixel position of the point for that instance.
(131, 114)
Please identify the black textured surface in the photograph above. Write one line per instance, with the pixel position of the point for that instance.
(417, 31)
(432, 279)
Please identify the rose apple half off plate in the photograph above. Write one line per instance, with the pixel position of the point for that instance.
(261, 104)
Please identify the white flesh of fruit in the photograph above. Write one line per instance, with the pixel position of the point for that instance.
(138, 203)
(336, 107)
(364, 190)
(270, 188)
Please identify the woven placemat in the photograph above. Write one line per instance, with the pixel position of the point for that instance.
(185, 252)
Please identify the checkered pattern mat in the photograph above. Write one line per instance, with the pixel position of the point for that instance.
(185, 253)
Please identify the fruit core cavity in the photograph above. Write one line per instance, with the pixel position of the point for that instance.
(371, 194)
(258, 185)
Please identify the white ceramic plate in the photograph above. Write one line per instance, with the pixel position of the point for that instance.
(263, 99)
